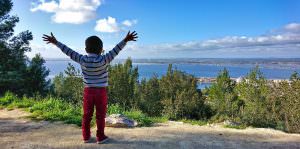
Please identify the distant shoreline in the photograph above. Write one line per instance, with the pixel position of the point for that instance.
(157, 59)
(238, 80)
(281, 63)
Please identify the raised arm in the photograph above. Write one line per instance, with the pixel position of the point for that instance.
(68, 51)
(108, 57)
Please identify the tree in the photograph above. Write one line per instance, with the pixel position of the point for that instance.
(253, 90)
(295, 76)
(69, 86)
(123, 84)
(284, 99)
(13, 63)
(180, 97)
(36, 76)
(150, 97)
(223, 98)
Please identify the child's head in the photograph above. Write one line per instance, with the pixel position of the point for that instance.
(93, 44)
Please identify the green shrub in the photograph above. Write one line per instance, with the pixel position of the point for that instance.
(69, 86)
(57, 110)
(24, 102)
(7, 99)
(141, 118)
(114, 109)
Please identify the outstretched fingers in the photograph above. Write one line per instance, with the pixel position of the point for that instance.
(133, 33)
(131, 36)
(44, 35)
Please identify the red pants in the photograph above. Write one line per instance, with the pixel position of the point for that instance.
(94, 97)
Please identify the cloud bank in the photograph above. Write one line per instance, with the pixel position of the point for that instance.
(282, 42)
(68, 11)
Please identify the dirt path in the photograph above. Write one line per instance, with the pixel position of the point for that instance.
(17, 132)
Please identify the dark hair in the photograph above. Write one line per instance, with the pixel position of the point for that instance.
(93, 44)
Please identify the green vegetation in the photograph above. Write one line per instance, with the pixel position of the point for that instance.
(259, 103)
(252, 102)
(69, 86)
(17, 72)
(194, 122)
(236, 127)
(223, 99)
(123, 89)
(180, 97)
(53, 109)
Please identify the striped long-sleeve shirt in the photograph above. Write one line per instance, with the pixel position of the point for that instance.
(93, 66)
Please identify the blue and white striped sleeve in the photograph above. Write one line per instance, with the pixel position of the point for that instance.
(69, 52)
(108, 57)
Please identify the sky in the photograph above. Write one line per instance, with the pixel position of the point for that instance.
(166, 29)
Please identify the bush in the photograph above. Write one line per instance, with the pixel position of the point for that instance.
(114, 109)
(141, 118)
(8, 99)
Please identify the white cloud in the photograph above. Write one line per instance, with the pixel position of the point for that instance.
(110, 25)
(51, 6)
(129, 23)
(68, 11)
(293, 27)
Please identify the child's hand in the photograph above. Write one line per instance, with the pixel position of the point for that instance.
(50, 39)
(131, 36)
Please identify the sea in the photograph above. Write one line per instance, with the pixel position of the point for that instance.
(272, 68)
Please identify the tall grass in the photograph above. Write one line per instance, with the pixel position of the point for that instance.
(55, 109)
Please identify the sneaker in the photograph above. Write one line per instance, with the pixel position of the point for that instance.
(87, 141)
(102, 139)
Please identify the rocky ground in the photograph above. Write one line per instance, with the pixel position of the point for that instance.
(19, 132)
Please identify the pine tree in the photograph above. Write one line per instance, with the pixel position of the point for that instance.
(253, 90)
(69, 86)
(223, 98)
(123, 85)
(17, 73)
(36, 76)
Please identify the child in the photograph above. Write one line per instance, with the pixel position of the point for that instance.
(95, 76)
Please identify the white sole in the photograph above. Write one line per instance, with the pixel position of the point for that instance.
(103, 141)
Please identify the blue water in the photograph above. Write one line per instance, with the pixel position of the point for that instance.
(147, 70)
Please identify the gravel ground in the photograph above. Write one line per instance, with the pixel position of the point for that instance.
(18, 132)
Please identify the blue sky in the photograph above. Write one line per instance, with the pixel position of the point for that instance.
(167, 29)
